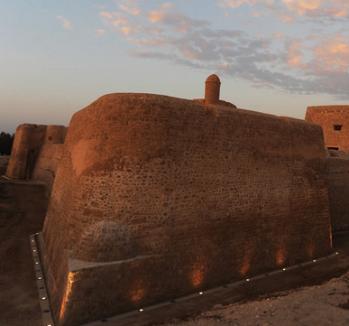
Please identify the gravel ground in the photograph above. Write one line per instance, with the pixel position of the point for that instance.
(326, 304)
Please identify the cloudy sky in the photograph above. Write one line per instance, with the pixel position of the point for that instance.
(274, 56)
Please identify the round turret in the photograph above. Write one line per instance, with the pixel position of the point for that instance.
(212, 89)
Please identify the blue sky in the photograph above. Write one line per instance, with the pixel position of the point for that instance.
(272, 56)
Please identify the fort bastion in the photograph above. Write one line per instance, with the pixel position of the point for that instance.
(36, 151)
(157, 197)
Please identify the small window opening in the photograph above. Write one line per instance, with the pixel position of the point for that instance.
(333, 148)
(337, 127)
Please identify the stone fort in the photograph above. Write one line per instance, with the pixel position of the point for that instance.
(154, 197)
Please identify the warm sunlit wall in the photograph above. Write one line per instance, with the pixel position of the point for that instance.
(26, 146)
(165, 197)
(36, 151)
(50, 155)
(330, 118)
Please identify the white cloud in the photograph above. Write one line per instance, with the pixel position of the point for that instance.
(119, 20)
(131, 7)
(288, 10)
(317, 64)
(239, 3)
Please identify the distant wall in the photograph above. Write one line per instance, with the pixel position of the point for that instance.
(55, 134)
(158, 197)
(26, 146)
(47, 162)
(338, 185)
(36, 152)
(334, 120)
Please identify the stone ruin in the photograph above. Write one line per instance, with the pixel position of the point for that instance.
(156, 197)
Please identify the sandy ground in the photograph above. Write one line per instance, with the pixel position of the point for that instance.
(326, 304)
(22, 210)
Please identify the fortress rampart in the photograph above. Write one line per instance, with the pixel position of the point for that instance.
(157, 197)
(26, 146)
(338, 189)
(47, 162)
(36, 152)
(334, 120)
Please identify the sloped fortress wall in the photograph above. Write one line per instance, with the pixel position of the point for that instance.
(36, 152)
(158, 197)
(50, 155)
(338, 188)
(47, 162)
(26, 146)
(55, 134)
(334, 120)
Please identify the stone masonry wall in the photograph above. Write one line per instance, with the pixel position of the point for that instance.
(158, 197)
(334, 120)
(36, 152)
(338, 188)
(27, 143)
(46, 165)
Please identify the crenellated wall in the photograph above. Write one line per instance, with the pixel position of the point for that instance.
(157, 197)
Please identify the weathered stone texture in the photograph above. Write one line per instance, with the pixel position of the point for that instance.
(36, 151)
(46, 164)
(55, 134)
(26, 146)
(201, 194)
(338, 188)
(334, 120)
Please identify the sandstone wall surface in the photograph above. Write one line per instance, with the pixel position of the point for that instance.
(334, 120)
(31, 141)
(46, 165)
(27, 143)
(158, 197)
(338, 188)
(55, 134)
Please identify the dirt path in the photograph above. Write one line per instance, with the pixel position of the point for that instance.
(322, 305)
(22, 210)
